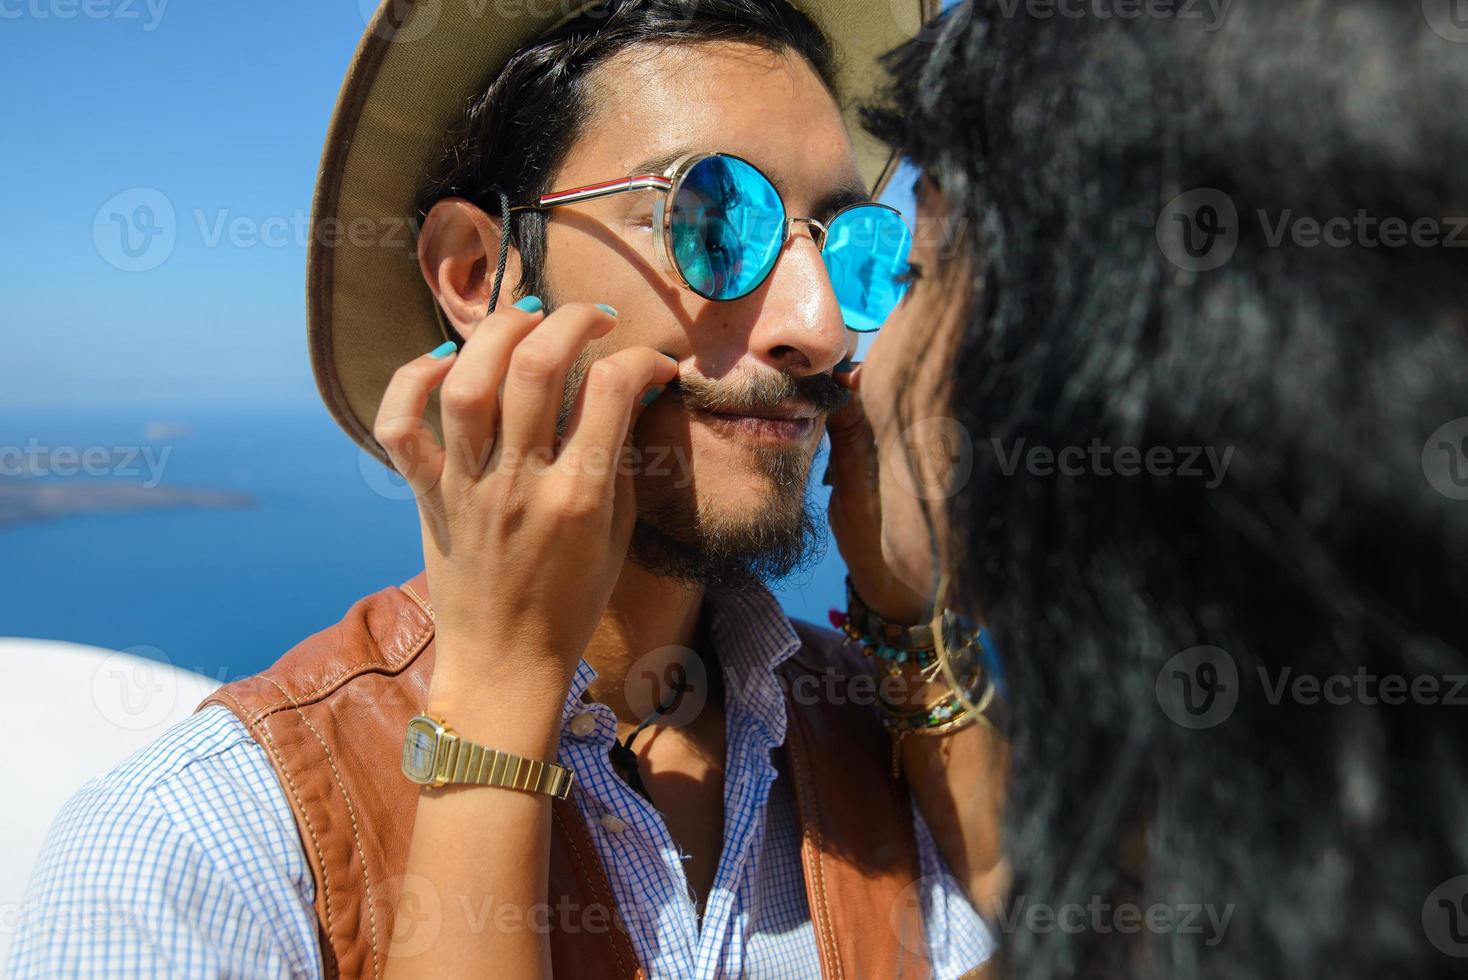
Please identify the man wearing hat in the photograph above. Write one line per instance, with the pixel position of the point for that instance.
(586, 739)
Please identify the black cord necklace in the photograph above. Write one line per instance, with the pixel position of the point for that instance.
(622, 754)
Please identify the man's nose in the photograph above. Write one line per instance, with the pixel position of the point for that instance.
(800, 328)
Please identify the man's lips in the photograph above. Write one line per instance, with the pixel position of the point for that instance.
(794, 425)
(788, 413)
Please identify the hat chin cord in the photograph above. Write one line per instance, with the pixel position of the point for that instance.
(499, 272)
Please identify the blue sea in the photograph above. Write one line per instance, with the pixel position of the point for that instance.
(226, 591)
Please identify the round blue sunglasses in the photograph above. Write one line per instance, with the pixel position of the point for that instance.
(720, 226)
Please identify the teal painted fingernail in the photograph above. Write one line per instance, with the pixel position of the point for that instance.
(607, 309)
(530, 304)
(444, 350)
(843, 367)
(652, 395)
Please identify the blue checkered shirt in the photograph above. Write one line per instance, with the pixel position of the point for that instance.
(185, 860)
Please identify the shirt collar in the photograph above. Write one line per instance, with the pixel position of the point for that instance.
(752, 637)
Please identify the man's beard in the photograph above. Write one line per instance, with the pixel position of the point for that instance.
(671, 539)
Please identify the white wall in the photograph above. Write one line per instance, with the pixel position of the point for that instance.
(68, 713)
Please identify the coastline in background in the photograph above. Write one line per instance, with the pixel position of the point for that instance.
(282, 524)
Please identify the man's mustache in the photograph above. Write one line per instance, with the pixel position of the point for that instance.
(761, 393)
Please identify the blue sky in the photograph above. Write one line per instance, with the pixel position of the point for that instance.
(220, 107)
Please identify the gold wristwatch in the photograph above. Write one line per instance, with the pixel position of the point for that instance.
(434, 756)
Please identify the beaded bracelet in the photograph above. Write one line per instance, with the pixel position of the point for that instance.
(892, 645)
(929, 719)
(897, 647)
(976, 687)
(949, 715)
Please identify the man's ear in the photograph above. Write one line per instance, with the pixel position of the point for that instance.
(458, 251)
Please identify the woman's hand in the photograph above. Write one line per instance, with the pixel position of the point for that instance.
(856, 512)
(957, 779)
(524, 533)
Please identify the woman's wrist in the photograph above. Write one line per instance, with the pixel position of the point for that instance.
(517, 712)
(910, 691)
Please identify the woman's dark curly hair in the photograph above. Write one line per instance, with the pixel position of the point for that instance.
(1330, 820)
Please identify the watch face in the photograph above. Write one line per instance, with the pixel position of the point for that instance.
(418, 750)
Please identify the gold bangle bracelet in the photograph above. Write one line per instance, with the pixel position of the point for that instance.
(940, 644)
(963, 721)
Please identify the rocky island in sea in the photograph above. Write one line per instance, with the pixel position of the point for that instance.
(28, 499)
(42, 482)
(24, 500)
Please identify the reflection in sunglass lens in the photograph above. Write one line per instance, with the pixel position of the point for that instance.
(866, 253)
(727, 227)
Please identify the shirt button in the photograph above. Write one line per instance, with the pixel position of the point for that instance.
(583, 724)
(613, 823)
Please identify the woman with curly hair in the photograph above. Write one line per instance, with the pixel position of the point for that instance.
(1188, 313)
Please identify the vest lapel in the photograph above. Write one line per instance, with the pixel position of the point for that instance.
(858, 844)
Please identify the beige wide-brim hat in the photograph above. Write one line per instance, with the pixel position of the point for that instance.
(415, 71)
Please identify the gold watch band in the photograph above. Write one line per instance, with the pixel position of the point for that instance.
(455, 761)
(474, 764)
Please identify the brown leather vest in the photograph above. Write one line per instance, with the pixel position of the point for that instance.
(331, 715)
